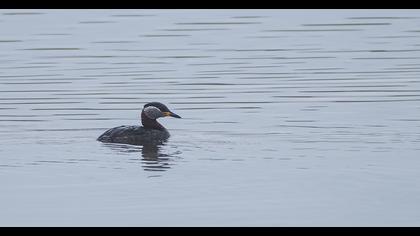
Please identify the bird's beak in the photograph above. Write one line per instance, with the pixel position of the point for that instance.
(171, 114)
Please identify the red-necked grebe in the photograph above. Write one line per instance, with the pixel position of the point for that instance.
(150, 132)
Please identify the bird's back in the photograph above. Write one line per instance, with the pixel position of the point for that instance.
(135, 135)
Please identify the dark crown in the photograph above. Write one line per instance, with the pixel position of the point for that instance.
(159, 105)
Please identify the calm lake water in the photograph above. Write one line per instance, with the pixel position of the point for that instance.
(290, 117)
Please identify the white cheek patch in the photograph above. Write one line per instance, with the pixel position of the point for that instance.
(152, 112)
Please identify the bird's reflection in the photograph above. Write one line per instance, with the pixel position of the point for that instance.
(152, 156)
(153, 159)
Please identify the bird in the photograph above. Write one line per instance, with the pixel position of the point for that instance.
(152, 132)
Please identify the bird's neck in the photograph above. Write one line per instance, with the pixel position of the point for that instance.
(150, 123)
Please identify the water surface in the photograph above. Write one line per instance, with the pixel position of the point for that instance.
(290, 117)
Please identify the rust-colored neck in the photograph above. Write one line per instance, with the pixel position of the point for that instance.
(150, 123)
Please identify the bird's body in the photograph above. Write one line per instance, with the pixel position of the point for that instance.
(152, 132)
(134, 134)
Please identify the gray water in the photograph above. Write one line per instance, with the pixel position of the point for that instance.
(290, 117)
